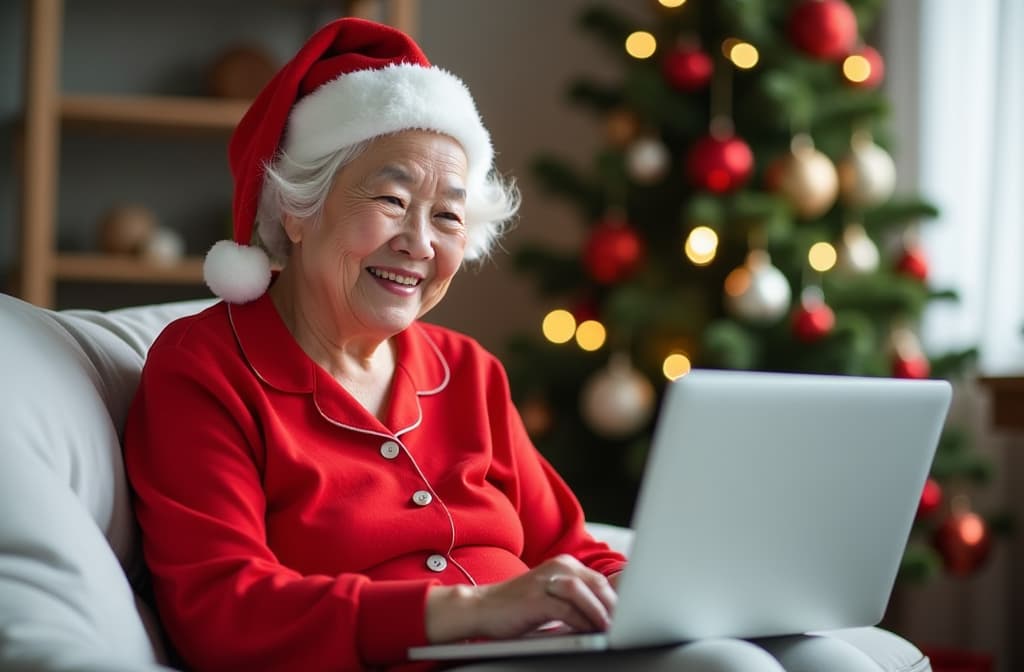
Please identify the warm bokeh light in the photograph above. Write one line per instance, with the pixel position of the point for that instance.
(856, 68)
(676, 365)
(744, 55)
(737, 282)
(972, 529)
(701, 245)
(727, 45)
(590, 335)
(822, 257)
(559, 326)
(641, 44)
(672, 4)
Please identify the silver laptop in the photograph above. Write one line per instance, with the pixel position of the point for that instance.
(771, 504)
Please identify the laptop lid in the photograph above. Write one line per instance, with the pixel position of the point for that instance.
(775, 504)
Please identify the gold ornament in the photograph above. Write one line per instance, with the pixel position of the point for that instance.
(757, 292)
(537, 416)
(125, 229)
(867, 175)
(618, 400)
(621, 127)
(805, 177)
(857, 253)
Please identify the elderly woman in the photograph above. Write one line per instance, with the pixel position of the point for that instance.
(322, 480)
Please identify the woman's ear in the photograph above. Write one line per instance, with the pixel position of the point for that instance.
(294, 227)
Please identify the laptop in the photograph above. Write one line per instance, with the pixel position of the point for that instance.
(771, 504)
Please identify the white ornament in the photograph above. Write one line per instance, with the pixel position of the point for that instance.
(165, 247)
(867, 175)
(856, 252)
(647, 160)
(757, 292)
(618, 400)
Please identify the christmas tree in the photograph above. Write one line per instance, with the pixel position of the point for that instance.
(740, 215)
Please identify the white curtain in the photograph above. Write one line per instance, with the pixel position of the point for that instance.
(970, 162)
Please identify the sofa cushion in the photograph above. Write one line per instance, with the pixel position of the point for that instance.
(67, 536)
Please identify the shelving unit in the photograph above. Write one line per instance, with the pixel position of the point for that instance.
(48, 113)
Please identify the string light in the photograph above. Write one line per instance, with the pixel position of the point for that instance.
(701, 245)
(672, 4)
(559, 326)
(737, 282)
(590, 335)
(856, 68)
(676, 365)
(641, 44)
(744, 55)
(727, 45)
(822, 256)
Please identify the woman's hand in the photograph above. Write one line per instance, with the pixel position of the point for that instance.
(559, 589)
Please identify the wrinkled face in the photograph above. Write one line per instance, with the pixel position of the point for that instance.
(391, 237)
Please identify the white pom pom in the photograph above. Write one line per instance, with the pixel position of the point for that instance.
(236, 273)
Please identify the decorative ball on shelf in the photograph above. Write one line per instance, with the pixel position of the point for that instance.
(930, 501)
(867, 174)
(823, 29)
(165, 247)
(617, 400)
(856, 252)
(621, 127)
(719, 163)
(687, 68)
(805, 177)
(240, 71)
(647, 160)
(813, 320)
(126, 228)
(757, 292)
(913, 262)
(537, 416)
(963, 540)
(863, 68)
(613, 252)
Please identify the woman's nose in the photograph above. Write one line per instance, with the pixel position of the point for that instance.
(415, 237)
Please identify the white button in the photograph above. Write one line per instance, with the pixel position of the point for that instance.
(422, 497)
(390, 449)
(437, 563)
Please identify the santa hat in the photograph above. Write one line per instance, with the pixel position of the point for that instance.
(352, 81)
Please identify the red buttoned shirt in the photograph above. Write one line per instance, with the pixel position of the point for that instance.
(288, 528)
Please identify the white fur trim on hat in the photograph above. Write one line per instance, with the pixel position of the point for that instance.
(236, 273)
(365, 104)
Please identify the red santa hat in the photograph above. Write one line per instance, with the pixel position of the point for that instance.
(352, 81)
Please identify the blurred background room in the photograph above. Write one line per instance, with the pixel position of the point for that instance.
(831, 186)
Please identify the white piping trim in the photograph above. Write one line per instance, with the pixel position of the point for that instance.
(444, 363)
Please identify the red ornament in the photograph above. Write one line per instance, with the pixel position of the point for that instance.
(931, 499)
(613, 252)
(813, 321)
(913, 366)
(913, 263)
(586, 309)
(719, 165)
(824, 29)
(687, 68)
(875, 73)
(964, 542)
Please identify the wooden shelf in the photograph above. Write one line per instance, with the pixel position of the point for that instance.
(152, 113)
(115, 268)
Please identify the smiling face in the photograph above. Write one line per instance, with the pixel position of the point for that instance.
(391, 236)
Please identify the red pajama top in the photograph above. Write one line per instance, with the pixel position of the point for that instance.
(288, 528)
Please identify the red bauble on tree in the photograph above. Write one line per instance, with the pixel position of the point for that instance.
(931, 499)
(825, 29)
(813, 319)
(864, 68)
(687, 68)
(964, 542)
(913, 262)
(719, 164)
(613, 252)
(910, 366)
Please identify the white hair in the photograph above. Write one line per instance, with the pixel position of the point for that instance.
(301, 189)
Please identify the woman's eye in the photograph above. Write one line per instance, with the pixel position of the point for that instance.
(452, 219)
(393, 200)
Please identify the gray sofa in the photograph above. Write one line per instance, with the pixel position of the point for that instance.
(69, 556)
